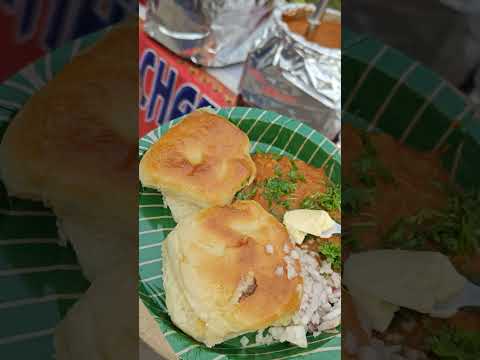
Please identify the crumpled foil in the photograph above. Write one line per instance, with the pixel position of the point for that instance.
(294, 77)
(208, 32)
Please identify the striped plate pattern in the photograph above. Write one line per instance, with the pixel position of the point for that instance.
(268, 132)
(384, 89)
(39, 279)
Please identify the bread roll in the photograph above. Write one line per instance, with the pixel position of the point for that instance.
(201, 162)
(220, 273)
(74, 146)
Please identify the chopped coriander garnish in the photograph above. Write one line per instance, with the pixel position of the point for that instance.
(458, 231)
(330, 200)
(455, 344)
(368, 169)
(454, 230)
(311, 202)
(277, 170)
(294, 174)
(354, 198)
(285, 204)
(275, 188)
(410, 233)
(368, 166)
(333, 254)
(364, 168)
(401, 236)
(247, 193)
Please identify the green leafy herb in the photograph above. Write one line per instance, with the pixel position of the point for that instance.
(401, 236)
(454, 230)
(368, 167)
(410, 233)
(294, 174)
(354, 198)
(277, 170)
(333, 254)
(330, 200)
(364, 168)
(311, 202)
(457, 231)
(276, 188)
(247, 193)
(455, 344)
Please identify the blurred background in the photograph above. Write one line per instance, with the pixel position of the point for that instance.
(31, 28)
(442, 34)
(227, 53)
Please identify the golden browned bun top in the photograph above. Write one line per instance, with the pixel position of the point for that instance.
(74, 145)
(225, 261)
(204, 160)
(78, 133)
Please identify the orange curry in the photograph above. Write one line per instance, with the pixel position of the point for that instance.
(328, 33)
(405, 182)
(310, 181)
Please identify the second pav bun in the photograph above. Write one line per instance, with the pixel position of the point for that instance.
(203, 161)
(221, 273)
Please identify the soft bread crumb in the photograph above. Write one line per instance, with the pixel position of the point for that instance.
(269, 248)
(179, 208)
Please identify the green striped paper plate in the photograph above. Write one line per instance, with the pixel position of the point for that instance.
(268, 132)
(39, 280)
(384, 89)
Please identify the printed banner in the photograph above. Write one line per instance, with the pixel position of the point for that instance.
(171, 87)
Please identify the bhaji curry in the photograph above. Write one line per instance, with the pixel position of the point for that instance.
(395, 197)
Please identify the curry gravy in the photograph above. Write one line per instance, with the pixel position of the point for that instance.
(327, 34)
(413, 190)
(316, 181)
(415, 175)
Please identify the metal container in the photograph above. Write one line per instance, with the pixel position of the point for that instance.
(290, 75)
(207, 32)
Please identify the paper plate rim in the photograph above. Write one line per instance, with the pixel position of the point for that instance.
(415, 105)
